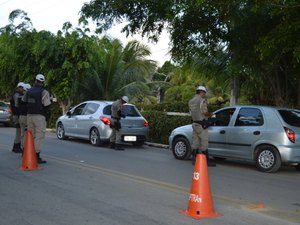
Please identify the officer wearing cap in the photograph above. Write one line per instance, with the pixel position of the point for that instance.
(14, 105)
(23, 115)
(116, 114)
(199, 112)
(38, 111)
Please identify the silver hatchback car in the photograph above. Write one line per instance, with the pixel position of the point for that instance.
(90, 120)
(5, 114)
(268, 136)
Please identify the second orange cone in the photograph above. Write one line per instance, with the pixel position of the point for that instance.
(29, 161)
(200, 200)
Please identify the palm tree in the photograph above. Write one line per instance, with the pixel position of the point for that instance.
(119, 71)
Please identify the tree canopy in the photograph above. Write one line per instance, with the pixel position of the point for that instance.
(260, 38)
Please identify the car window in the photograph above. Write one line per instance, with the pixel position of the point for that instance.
(78, 110)
(249, 117)
(107, 110)
(2, 104)
(291, 117)
(223, 117)
(127, 110)
(90, 108)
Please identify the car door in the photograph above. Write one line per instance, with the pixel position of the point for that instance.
(86, 120)
(70, 121)
(219, 130)
(246, 130)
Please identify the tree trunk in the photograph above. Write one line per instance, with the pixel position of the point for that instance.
(298, 97)
(235, 91)
(65, 105)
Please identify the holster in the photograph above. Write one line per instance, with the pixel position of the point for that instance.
(204, 123)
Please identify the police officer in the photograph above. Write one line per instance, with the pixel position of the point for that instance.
(200, 114)
(38, 111)
(23, 115)
(14, 105)
(116, 114)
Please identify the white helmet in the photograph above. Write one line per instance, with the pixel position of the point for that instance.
(20, 84)
(27, 87)
(201, 88)
(125, 99)
(40, 77)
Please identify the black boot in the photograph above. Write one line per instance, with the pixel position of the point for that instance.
(194, 153)
(17, 148)
(210, 163)
(39, 159)
(112, 145)
(118, 147)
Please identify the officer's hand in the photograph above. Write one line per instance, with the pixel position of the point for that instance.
(208, 114)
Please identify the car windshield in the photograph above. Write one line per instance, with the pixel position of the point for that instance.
(127, 110)
(291, 117)
(3, 104)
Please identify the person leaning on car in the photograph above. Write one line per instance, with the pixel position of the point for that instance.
(116, 114)
(14, 105)
(199, 112)
(38, 112)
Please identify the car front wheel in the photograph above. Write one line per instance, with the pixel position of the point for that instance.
(267, 159)
(60, 132)
(95, 137)
(181, 148)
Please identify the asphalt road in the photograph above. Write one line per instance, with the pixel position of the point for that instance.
(86, 185)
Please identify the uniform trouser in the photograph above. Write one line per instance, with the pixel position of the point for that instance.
(37, 124)
(116, 133)
(23, 127)
(18, 130)
(200, 137)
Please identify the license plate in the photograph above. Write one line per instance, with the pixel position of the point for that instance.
(129, 138)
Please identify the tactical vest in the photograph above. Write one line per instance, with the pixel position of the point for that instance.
(22, 107)
(195, 108)
(34, 100)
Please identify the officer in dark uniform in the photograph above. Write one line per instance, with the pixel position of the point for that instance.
(14, 105)
(38, 111)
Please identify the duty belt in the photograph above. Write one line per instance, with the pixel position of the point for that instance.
(198, 121)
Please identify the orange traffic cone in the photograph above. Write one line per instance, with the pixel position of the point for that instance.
(200, 199)
(29, 161)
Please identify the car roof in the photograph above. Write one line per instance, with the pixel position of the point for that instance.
(261, 106)
(102, 101)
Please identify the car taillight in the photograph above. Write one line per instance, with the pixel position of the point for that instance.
(8, 110)
(105, 120)
(290, 134)
(146, 123)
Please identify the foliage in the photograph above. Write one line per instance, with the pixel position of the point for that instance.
(162, 124)
(259, 39)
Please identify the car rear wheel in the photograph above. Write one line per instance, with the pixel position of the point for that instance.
(95, 137)
(181, 148)
(267, 159)
(60, 132)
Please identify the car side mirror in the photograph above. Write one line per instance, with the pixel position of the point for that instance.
(69, 114)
